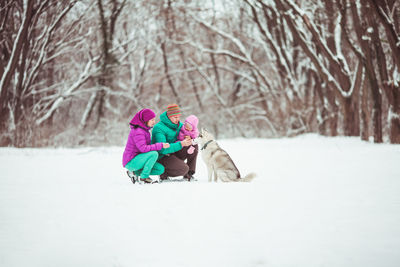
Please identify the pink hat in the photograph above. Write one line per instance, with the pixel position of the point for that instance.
(147, 114)
(142, 117)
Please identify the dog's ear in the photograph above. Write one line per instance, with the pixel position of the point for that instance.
(201, 133)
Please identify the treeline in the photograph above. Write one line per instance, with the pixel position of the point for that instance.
(74, 72)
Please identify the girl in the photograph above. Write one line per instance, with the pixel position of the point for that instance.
(140, 156)
(189, 130)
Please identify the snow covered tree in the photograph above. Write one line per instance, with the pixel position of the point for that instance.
(29, 30)
(75, 72)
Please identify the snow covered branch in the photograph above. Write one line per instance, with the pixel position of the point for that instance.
(341, 69)
(59, 100)
(390, 28)
(17, 48)
(246, 58)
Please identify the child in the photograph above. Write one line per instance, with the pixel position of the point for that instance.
(140, 156)
(189, 130)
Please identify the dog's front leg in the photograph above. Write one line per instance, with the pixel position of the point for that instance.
(210, 172)
(215, 176)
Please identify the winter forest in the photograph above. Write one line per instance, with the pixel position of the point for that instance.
(75, 72)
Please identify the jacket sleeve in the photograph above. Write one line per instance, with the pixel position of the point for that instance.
(181, 135)
(194, 133)
(160, 137)
(140, 141)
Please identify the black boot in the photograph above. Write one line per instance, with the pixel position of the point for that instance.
(189, 176)
(163, 177)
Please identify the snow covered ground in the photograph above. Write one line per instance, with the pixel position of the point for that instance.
(316, 201)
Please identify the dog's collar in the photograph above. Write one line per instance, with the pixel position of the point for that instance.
(206, 144)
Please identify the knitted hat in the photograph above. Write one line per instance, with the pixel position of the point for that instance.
(147, 114)
(173, 110)
(142, 117)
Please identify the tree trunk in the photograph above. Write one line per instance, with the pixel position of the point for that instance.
(391, 91)
(322, 122)
(376, 108)
(394, 117)
(367, 61)
(351, 120)
(387, 22)
(334, 114)
(364, 112)
(169, 78)
(16, 52)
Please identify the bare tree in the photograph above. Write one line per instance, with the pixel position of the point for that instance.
(388, 63)
(26, 59)
(108, 60)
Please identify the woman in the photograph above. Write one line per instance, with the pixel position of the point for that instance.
(140, 156)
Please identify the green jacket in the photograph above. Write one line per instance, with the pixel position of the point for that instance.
(166, 132)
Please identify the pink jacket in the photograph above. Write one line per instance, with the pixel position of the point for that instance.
(194, 133)
(139, 140)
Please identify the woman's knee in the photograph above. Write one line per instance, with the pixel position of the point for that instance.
(153, 154)
(158, 168)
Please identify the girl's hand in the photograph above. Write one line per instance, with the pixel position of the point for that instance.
(165, 145)
(186, 142)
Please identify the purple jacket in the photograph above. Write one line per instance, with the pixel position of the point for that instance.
(194, 133)
(139, 140)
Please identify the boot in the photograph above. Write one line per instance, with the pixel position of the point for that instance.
(163, 177)
(132, 176)
(146, 180)
(189, 176)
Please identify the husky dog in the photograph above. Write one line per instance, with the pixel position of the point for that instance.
(218, 161)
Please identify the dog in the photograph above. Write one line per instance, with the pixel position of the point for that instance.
(218, 161)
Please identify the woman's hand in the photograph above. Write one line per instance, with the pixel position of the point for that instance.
(165, 145)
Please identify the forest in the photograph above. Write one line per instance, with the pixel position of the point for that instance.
(73, 73)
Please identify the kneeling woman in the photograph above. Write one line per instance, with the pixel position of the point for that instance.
(140, 156)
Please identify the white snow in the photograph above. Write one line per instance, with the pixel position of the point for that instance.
(317, 201)
(366, 38)
(396, 75)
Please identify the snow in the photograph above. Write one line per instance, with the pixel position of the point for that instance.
(396, 76)
(316, 201)
(366, 38)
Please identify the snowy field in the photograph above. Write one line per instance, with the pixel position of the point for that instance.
(316, 201)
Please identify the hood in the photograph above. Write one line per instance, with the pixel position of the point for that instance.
(193, 120)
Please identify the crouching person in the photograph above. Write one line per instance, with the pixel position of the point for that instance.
(173, 158)
(140, 156)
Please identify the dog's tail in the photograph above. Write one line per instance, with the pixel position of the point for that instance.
(248, 178)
